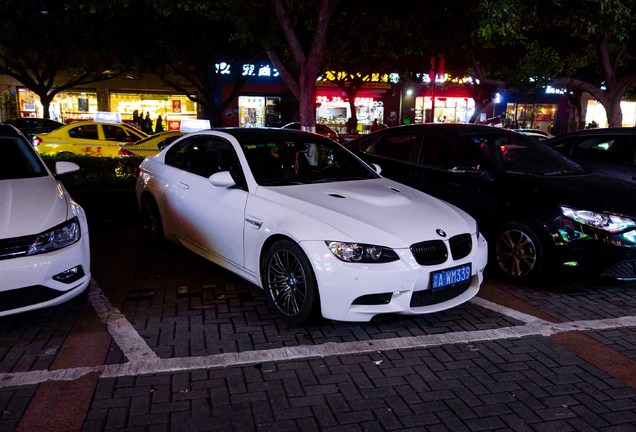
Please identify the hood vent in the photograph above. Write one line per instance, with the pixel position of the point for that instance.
(395, 190)
(336, 195)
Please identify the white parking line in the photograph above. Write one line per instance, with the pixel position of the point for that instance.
(503, 310)
(152, 364)
(133, 346)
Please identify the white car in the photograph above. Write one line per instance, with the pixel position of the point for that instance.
(318, 229)
(44, 243)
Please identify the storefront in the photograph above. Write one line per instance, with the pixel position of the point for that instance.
(259, 111)
(595, 112)
(334, 111)
(172, 108)
(446, 109)
(82, 105)
(65, 107)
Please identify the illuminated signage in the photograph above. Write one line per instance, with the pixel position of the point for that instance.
(107, 117)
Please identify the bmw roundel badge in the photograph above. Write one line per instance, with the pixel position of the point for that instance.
(440, 232)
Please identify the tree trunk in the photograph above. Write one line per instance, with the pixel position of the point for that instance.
(45, 100)
(613, 110)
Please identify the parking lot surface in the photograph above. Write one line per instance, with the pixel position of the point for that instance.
(167, 341)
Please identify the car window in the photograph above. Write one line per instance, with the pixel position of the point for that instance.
(403, 147)
(516, 153)
(18, 160)
(115, 133)
(442, 153)
(601, 149)
(84, 132)
(284, 161)
(204, 156)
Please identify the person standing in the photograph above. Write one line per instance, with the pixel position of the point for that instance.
(147, 124)
(159, 125)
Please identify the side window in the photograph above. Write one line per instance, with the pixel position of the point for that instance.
(601, 149)
(204, 156)
(403, 147)
(115, 133)
(179, 156)
(84, 132)
(445, 154)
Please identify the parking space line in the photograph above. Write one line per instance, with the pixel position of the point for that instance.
(146, 365)
(503, 310)
(121, 330)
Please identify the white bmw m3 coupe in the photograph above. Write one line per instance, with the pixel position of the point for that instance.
(320, 231)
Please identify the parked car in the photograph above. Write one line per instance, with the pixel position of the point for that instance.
(151, 145)
(87, 138)
(321, 129)
(44, 243)
(31, 126)
(540, 211)
(319, 230)
(609, 151)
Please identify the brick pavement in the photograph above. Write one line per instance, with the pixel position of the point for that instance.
(219, 360)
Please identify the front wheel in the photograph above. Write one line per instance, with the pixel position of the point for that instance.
(289, 282)
(519, 253)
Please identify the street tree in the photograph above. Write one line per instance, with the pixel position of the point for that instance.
(54, 46)
(593, 48)
(294, 36)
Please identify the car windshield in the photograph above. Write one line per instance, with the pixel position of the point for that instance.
(18, 159)
(517, 154)
(283, 161)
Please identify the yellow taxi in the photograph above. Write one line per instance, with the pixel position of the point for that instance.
(94, 138)
(151, 145)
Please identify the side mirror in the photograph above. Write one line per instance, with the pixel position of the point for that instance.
(222, 179)
(65, 167)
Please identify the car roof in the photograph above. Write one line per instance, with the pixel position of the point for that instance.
(456, 128)
(9, 130)
(599, 131)
(251, 134)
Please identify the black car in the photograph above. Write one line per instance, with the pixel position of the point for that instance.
(609, 151)
(31, 126)
(539, 211)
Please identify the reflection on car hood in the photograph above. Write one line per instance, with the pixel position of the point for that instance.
(585, 191)
(30, 206)
(380, 211)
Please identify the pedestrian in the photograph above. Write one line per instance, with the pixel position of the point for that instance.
(136, 120)
(147, 124)
(375, 126)
(159, 125)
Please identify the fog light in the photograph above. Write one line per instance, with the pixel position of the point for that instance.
(71, 275)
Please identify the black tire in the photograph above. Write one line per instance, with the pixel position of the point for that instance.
(151, 220)
(519, 254)
(289, 283)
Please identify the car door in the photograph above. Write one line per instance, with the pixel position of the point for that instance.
(84, 139)
(212, 218)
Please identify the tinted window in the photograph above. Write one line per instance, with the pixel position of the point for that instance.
(601, 149)
(445, 154)
(515, 153)
(115, 133)
(84, 132)
(18, 160)
(279, 162)
(203, 156)
(404, 147)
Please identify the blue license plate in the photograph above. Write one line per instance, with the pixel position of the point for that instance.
(450, 277)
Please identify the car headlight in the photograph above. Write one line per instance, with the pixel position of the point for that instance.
(361, 253)
(605, 221)
(58, 237)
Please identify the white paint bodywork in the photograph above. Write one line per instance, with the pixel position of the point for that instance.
(230, 226)
(31, 206)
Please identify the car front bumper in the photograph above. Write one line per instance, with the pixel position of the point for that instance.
(358, 292)
(583, 249)
(43, 280)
